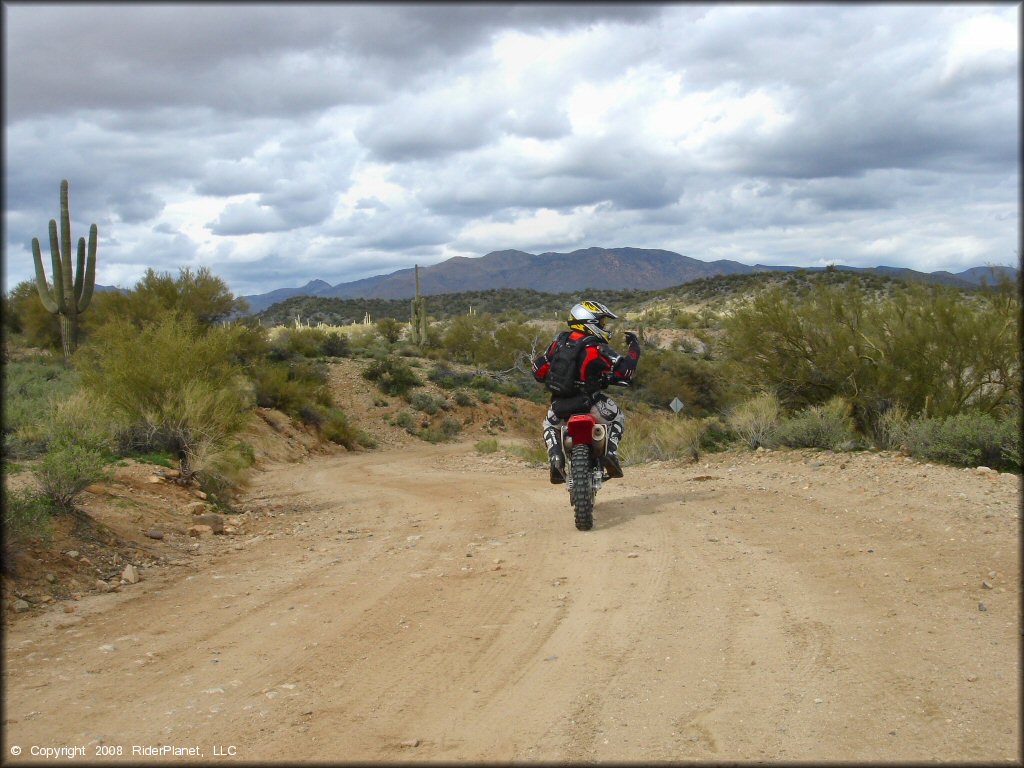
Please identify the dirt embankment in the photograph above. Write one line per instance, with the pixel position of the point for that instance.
(427, 602)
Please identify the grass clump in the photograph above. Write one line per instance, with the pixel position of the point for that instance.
(827, 426)
(489, 445)
(754, 421)
(657, 437)
(27, 517)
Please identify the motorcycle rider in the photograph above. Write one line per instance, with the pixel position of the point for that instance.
(600, 367)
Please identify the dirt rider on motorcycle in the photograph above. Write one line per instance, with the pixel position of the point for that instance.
(596, 366)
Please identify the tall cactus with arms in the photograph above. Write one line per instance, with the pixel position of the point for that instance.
(71, 292)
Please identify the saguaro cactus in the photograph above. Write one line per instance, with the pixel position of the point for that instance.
(419, 315)
(72, 291)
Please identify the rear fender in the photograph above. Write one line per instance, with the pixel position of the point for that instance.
(584, 429)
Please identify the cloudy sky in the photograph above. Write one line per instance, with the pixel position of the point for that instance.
(277, 143)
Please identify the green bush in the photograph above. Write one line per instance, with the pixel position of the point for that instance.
(221, 469)
(27, 517)
(447, 430)
(338, 430)
(422, 401)
(755, 420)
(463, 398)
(292, 343)
(820, 426)
(389, 329)
(65, 471)
(290, 387)
(406, 421)
(445, 377)
(391, 376)
(664, 374)
(964, 440)
(936, 350)
(1011, 450)
(717, 435)
(336, 345)
(172, 386)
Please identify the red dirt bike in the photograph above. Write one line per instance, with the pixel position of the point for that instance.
(584, 442)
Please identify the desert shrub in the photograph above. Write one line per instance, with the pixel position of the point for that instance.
(30, 389)
(889, 433)
(289, 344)
(25, 314)
(311, 415)
(406, 421)
(65, 471)
(936, 350)
(422, 401)
(389, 329)
(447, 430)
(664, 374)
(482, 340)
(755, 420)
(366, 342)
(659, 437)
(173, 385)
(463, 398)
(1011, 450)
(965, 440)
(199, 295)
(81, 419)
(489, 445)
(27, 517)
(290, 386)
(392, 377)
(827, 426)
(337, 428)
(447, 378)
(717, 435)
(221, 468)
(336, 345)
(484, 396)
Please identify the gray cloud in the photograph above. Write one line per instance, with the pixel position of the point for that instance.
(282, 143)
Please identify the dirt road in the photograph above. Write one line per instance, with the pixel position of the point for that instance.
(433, 603)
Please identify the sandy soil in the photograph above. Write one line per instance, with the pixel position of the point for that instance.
(431, 603)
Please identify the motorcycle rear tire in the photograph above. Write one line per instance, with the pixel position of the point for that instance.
(582, 487)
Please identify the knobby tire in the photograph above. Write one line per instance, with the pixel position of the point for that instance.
(582, 487)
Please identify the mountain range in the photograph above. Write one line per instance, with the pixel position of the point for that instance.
(588, 268)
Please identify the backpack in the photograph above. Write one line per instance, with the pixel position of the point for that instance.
(563, 379)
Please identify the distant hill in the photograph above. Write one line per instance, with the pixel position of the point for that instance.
(589, 268)
(719, 293)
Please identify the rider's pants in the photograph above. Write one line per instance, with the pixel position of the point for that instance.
(605, 410)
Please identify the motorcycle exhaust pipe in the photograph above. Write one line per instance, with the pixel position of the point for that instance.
(598, 433)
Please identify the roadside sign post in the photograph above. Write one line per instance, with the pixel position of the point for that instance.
(676, 405)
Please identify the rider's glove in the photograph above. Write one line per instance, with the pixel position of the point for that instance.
(630, 337)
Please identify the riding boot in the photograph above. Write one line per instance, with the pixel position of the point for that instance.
(610, 460)
(556, 460)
